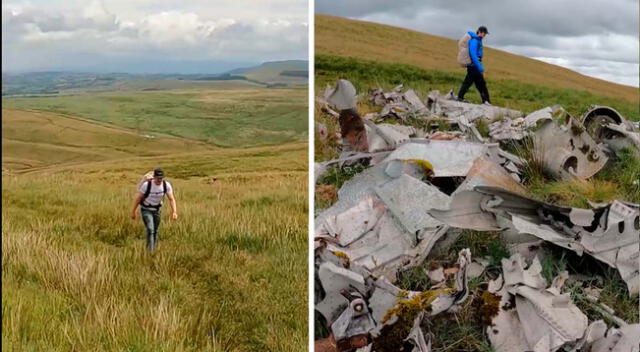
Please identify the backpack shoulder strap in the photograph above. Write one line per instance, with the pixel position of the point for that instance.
(148, 190)
(164, 187)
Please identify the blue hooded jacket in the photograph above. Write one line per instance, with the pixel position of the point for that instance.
(475, 50)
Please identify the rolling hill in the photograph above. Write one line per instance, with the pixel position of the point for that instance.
(229, 116)
(288, 72)
(343, 37)
(271, 74)
(228, 275)
(34, 140)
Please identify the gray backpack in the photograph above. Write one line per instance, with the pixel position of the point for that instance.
(463, 50)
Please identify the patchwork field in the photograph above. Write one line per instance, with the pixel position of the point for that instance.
(223, 117)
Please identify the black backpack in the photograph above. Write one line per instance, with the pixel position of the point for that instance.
(148, 191)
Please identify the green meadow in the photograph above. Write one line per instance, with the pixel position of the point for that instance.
(229, 275)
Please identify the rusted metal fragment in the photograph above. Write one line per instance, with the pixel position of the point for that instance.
(450, 301)
(567, 150)
(328, 344)
(446, 136)
(353, 131)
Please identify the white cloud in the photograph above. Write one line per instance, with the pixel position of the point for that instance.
(173, 30)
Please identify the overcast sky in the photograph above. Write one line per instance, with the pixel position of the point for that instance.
(598, 38)
(186, 36)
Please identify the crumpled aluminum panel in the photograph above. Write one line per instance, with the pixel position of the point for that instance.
(342, 96)
(408, 199)
(448, 158)
(568, 151)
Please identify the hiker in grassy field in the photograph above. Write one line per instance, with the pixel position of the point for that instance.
(470, 56)
(151, 192)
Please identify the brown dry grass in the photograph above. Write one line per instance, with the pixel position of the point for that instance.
(373, 41)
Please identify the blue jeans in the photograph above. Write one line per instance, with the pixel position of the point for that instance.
(151, 219)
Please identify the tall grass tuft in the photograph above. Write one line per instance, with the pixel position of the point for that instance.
(229, 275)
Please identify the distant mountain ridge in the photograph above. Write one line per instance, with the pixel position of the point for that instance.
(270, 74)
(287, 71)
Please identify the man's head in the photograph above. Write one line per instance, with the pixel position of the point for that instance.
(158, 175)
(482, 31)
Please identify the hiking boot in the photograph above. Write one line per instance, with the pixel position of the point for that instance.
(487, 103)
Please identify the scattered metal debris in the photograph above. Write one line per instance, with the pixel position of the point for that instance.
(430, 173)
(607, 125)
(448, 106)
(567, 150)
(532, 316)
(608, 233)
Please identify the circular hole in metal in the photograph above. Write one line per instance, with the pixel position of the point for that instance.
(571, 162)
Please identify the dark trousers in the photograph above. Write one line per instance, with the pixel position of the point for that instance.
(151, 219)
(474, 77)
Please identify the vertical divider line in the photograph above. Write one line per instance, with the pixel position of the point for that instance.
(311, 182)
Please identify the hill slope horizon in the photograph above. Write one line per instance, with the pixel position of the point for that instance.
(270, 73)
(360, 39)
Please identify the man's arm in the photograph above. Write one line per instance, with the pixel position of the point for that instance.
(136, 201)
(172, 204)
(473, 53)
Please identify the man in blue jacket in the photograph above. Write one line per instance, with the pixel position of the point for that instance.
(470, 56)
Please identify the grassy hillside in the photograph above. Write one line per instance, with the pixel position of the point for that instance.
(229, 274)
(224, 117)
(367, 74)
(348, 38)
(271, 72)
(33, 140)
